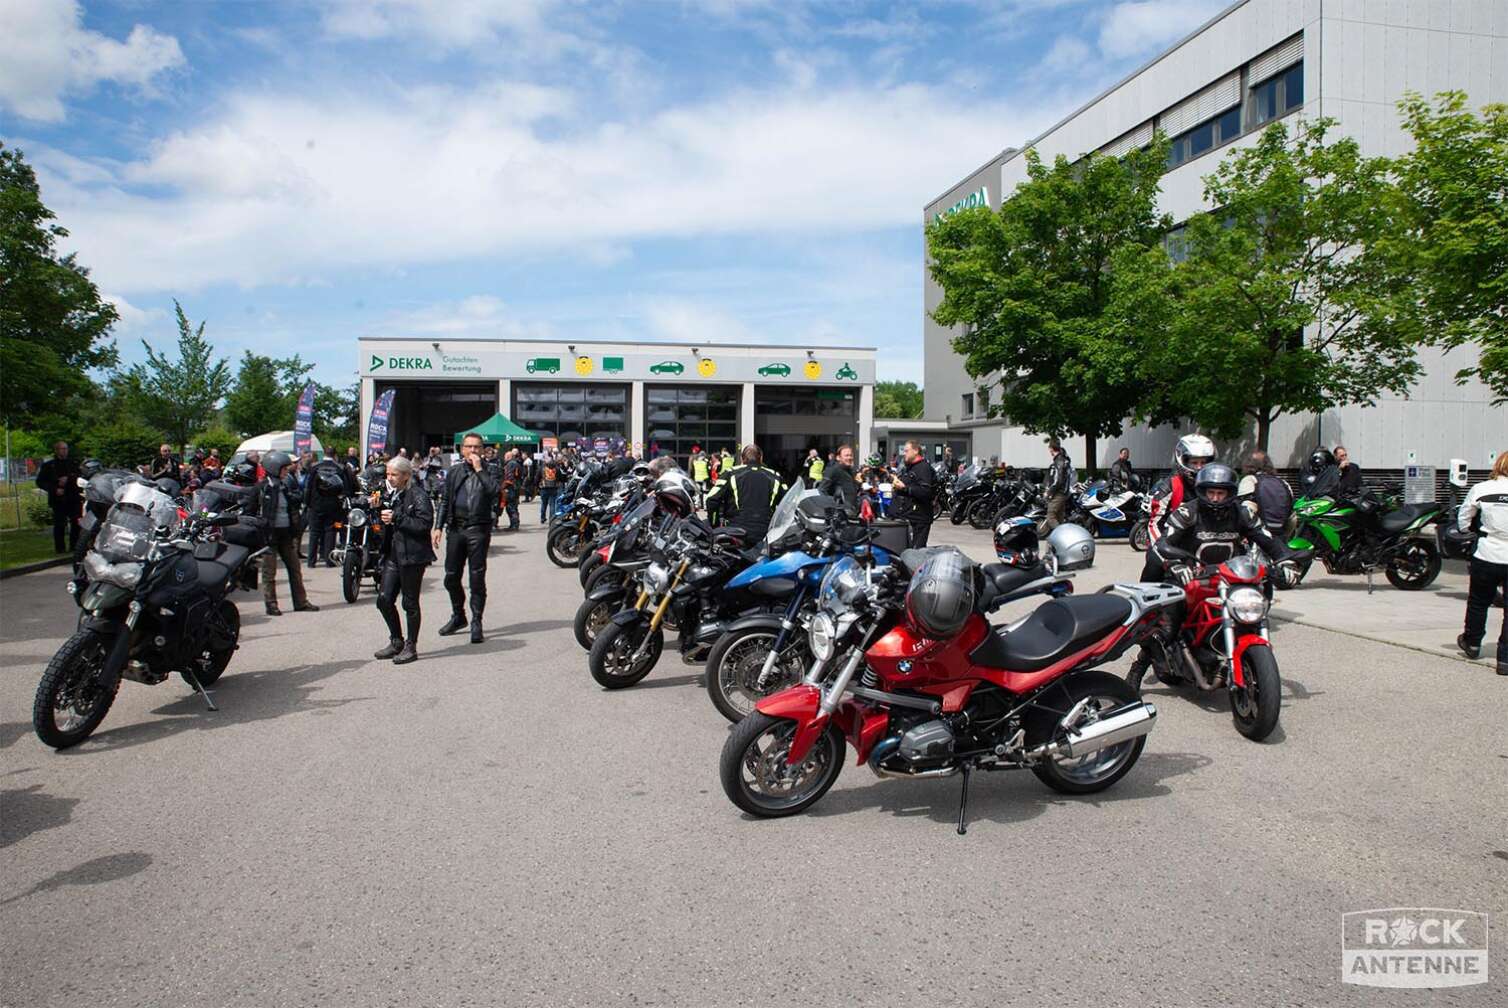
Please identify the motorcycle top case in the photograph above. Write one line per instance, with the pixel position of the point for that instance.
(891, 534)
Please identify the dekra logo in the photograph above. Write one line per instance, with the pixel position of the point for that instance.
(403, 363)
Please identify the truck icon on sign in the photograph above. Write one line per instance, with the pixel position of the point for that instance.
(547, 365)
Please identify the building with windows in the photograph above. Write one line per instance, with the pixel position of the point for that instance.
(658, 397)
(1257, 62)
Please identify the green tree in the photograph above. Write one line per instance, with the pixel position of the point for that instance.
(1453, 200)
(337, 414)
(179, 396)
(126, 443)
(1030, 285)
(265, 395)
(217, 437)
(897, 399)
(54, 326)
(1283, 303)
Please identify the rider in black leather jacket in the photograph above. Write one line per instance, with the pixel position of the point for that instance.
(1213, 526)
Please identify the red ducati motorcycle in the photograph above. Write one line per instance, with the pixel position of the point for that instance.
(910, 673)
(1220, 640)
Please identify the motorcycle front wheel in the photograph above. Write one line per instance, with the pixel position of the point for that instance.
(612, 662)
(1141, 539)
(756, 776)
(601, 574)
(959, 513)
(1094, 771)
(586, 566)
(1255, 707)
(73, 698)
(982, 514)
(1415, 567)
(566, 545)
(591, 616)
(350, 574)
(734, 665)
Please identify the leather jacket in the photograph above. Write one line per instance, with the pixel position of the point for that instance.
(457, 478)
(406, 539)
(1196, 534)
(914, 501)
(1059, 475)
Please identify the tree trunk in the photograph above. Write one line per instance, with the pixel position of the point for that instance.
(1090, 455)
(1264, 427)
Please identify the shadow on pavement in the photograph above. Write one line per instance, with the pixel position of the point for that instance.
(109, 868)
(992, 799)
(30, 810)
(242, 698)
(533, 626)
(12, 732)
(680, 680)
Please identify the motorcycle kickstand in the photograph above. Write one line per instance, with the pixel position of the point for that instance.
(194, 682)
(963, 803)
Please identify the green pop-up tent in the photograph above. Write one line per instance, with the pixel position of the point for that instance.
(499, 430)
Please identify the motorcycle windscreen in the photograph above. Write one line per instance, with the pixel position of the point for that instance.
(967, 477)
(784, 519)
(628, 530)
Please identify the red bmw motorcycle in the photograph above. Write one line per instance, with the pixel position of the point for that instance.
(1219, 639)
(910, 673)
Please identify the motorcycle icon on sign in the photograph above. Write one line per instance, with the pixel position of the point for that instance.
(847, 372)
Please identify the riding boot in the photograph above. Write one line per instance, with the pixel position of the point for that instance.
(393, 647)
(455, 624)
(476, 630)
(408, 654)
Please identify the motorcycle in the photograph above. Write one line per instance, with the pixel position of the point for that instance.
(927, 688)
(156, 601)
(358, 540)
(1110, 510)
(1220, 638)
(1356, 536)
(623, 557)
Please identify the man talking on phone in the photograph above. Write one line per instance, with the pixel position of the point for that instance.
(465, 515)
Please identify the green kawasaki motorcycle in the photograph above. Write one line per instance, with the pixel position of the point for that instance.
(1357, 536)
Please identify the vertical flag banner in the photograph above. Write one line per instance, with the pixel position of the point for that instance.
(303, 421)
(377, 423)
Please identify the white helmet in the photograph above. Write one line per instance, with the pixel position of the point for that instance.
(1072, 545)
(1190, 447)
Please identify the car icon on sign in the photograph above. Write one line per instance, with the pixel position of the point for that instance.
(667, 367)
(777, 369)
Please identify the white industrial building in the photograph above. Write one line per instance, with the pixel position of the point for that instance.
(1256, 62)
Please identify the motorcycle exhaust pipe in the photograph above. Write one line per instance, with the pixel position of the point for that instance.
(1120, 725)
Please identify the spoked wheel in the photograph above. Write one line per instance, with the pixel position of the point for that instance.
(350, 575)
(211, 664)
(74, 696)
(1415, 567)
(613, 660)
(735, 664)
(1255, 707)
(756, 776)
(1141, 539)
(591, 616)
(566, 545)
(1092, 771)
(982, 514)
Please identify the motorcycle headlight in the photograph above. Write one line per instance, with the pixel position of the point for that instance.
(823, 636)
(657, 577)
(356, 518)
(122, 575)
(1246, 605)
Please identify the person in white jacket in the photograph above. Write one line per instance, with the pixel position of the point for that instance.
(1486, 510)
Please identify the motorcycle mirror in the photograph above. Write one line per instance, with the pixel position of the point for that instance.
(222, 520)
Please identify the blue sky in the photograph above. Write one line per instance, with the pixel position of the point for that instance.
(299, 174)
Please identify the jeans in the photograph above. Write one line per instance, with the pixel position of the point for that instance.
(398, 580)
(467, 547)
(512, 508)
(1486, 580)
(284, 545)
(547, 497)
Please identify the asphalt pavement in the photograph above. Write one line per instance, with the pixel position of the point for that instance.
(487, 827)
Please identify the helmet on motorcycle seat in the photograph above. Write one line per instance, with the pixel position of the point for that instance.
(1192, 452)
(1215, 476)
(1320, 459)
(171, 487)
(275, 461)
(1016, 541)
(812, 511)
(940, 596)
(642, 473)
(241, 474)
(91, 468)
(663, 465)
(675, 492)
(1072, 546)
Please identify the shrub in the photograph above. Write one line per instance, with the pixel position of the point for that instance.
(37, 511)
(126, 443)
(217, 437)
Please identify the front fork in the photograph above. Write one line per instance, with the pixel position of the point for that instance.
(787, 625)
(659, 613)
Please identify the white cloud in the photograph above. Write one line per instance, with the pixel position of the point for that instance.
(480, 315)
(1137, 28)
(46, 53)
(1069, 56)
(676, 321)
(454, 24)
(285, 187)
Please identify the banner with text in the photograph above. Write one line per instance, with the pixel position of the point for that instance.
(377, 424)
(303, 421)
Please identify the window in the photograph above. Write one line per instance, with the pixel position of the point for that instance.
(681, 415)
(984, 402)
(1275, 97)
(1205, 137)
(571, 412)
(968, 405)
(1176, 243)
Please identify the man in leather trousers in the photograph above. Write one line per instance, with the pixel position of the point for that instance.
(465, 517)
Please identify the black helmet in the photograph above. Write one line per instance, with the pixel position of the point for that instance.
(1215, 476)
(1321, 459)
(241, 474)
(91, 468)
(1016, 541)
(674, 492)
(274, 461)
(171, 487)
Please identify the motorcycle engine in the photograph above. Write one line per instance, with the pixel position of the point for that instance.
(918, 743)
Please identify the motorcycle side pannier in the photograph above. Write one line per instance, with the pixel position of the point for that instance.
(891, 534)
(249, 530)
(940, 596)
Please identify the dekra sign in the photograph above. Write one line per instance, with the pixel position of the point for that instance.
(402, 363)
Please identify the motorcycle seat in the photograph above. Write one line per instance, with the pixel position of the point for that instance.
(214, 575)
(1397, 521)
(1055, 629)
(1002, 579)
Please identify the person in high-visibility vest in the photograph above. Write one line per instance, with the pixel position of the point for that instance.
(814, 467)
(745, 495)
(700, 470)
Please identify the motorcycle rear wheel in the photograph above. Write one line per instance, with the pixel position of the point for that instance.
(734, 664)
(591, 617)
(756, 749)
(1093, 771)
(1256, 706)
(212, 664)
(72, 685)
(1423, 559)
(982, 514)
(611, 661)
(1141, 539)
(350, 574)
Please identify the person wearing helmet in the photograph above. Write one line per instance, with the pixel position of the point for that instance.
(1210, 528)
(745, 495)
(464, 517)
(280, 507)
(1191, 454)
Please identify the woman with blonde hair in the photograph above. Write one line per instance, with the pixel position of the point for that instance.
(1486, 512)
